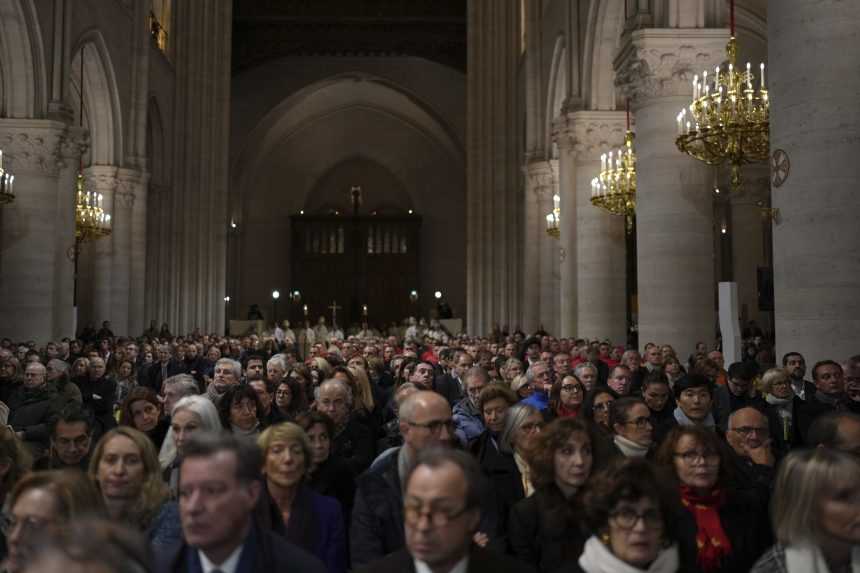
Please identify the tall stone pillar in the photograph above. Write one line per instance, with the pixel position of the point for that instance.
(540, 305)
(29, 226)
(132, 196)
(815, 120)
(568, 267)
(494, 188)
(598, 281)
(202, 41)
(749, 248)
(655, 67)
(102, 179)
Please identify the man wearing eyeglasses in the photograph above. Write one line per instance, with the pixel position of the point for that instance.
(749, 436)
(441, 509)
(71, 440)
(32, 406)
(377, 516)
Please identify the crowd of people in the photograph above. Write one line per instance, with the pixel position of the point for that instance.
(218, 454)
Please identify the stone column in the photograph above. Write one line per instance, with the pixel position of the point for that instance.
(814, 118)
(74, 144)
(568, 256)
(749, 251)
(202, 42)
(130, 258)
(494, 187)
(102, 179)
(598, 281)
(655, 68)
(28, 244)
(540, 306)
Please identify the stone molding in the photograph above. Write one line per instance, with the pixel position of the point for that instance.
(587, 134)
(102, 179)
(32, 146)
(541, 177)
(130, 184)
(654, 63)
(73, 145)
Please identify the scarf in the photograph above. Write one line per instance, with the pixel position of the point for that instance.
(781, 402)
(525, 474)
(783, 410)
(683, 420)
(564, 412)
(711, 539)
(629, 448)
(598, 558)
(807, 558)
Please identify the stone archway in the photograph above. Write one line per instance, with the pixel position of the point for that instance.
(22, 62)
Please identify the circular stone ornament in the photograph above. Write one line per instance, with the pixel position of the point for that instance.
(780, 166)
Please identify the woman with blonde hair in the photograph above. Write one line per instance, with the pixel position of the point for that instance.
(15, 461)
(288, 506)
(125, 469)
(816, 509)
(784, 404)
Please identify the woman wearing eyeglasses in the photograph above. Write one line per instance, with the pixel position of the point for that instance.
(630, 509)
(632, 429)
(595, 408)
(547, 528)
(44, 503)
(565, 398)
(723, 529)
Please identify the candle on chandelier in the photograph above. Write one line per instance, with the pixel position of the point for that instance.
(609, 162)
(549, 221)
(594, 185)
(749, 76)
(556, 201)
(761, 67)
(717, 75)
(705, 82)
(696, 86)
(603, 162)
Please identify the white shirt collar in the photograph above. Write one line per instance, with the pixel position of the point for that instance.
(230, 565)
(421, 567)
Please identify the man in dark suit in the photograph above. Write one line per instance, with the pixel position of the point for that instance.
(441, 509)
(452, 385)
(829, 395)
(219, 486)
(164, 368)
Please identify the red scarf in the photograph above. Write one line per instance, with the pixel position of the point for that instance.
(711, 540)
(564, 412)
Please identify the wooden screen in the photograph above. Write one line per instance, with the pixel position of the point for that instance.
(356, 261)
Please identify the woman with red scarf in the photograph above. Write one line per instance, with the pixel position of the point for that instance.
(723, 529)
(565, 398)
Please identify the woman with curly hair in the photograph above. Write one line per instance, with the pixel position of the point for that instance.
(141, 410)
(547, 528)
(125, 469)
(290, 399)
(241, 411)
(630, 510)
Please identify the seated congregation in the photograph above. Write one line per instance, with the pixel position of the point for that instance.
(216, 454)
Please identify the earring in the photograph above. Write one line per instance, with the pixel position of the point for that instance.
(604, 537)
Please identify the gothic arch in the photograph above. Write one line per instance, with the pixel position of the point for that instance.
(602, 39)
(102, 111)
(22, 61)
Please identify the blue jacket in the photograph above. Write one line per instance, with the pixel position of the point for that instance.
(539, 400)
(467, 419)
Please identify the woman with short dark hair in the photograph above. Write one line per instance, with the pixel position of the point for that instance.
(723, 529)
(630, 510)
(240, 411)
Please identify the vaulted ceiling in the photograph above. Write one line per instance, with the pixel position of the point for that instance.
(270, 29)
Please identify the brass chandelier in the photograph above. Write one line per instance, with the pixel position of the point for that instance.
(7, 180)
(614, 189)
(728, 119)
(553, 219)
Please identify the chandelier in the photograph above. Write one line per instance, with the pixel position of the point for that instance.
(553, 219)
(7, 195)
(614, 189)
(728, 119)
(91, 221)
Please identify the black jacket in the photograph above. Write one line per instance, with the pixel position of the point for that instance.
(99, 396)
(154, 376)
(333, 478)
(480, 561)
(355, 445)
(377, 516)
(505, 481)
(546, 529)
(264, 552)
(449, 387)
(30, 412)
(745, 520)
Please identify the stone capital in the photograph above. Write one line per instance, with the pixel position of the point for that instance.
(587, 134)
(32, 146)
(541, 176)
(101, 179)
(131, 184)
(656, 62)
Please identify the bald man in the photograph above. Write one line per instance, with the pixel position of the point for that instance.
(749, 436)
(377, 517)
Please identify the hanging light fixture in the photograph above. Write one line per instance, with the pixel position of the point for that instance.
(728, 119)
(553, 219)
(91, 220)
(614, 189)
(7, 180)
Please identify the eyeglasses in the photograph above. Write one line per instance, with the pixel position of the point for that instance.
(746, 431)
(692, 457)
(603, 406)
(532, 427)
(571, 388)
(641, 423)
(626, 518)
(435, 426)
(413, 511)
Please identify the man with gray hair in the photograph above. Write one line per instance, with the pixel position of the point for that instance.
(227, 373)
(164, 367)
(352, 441)
(377, 517)
(587, 374)
(540, 379)
(467, 415)
(177, 387)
